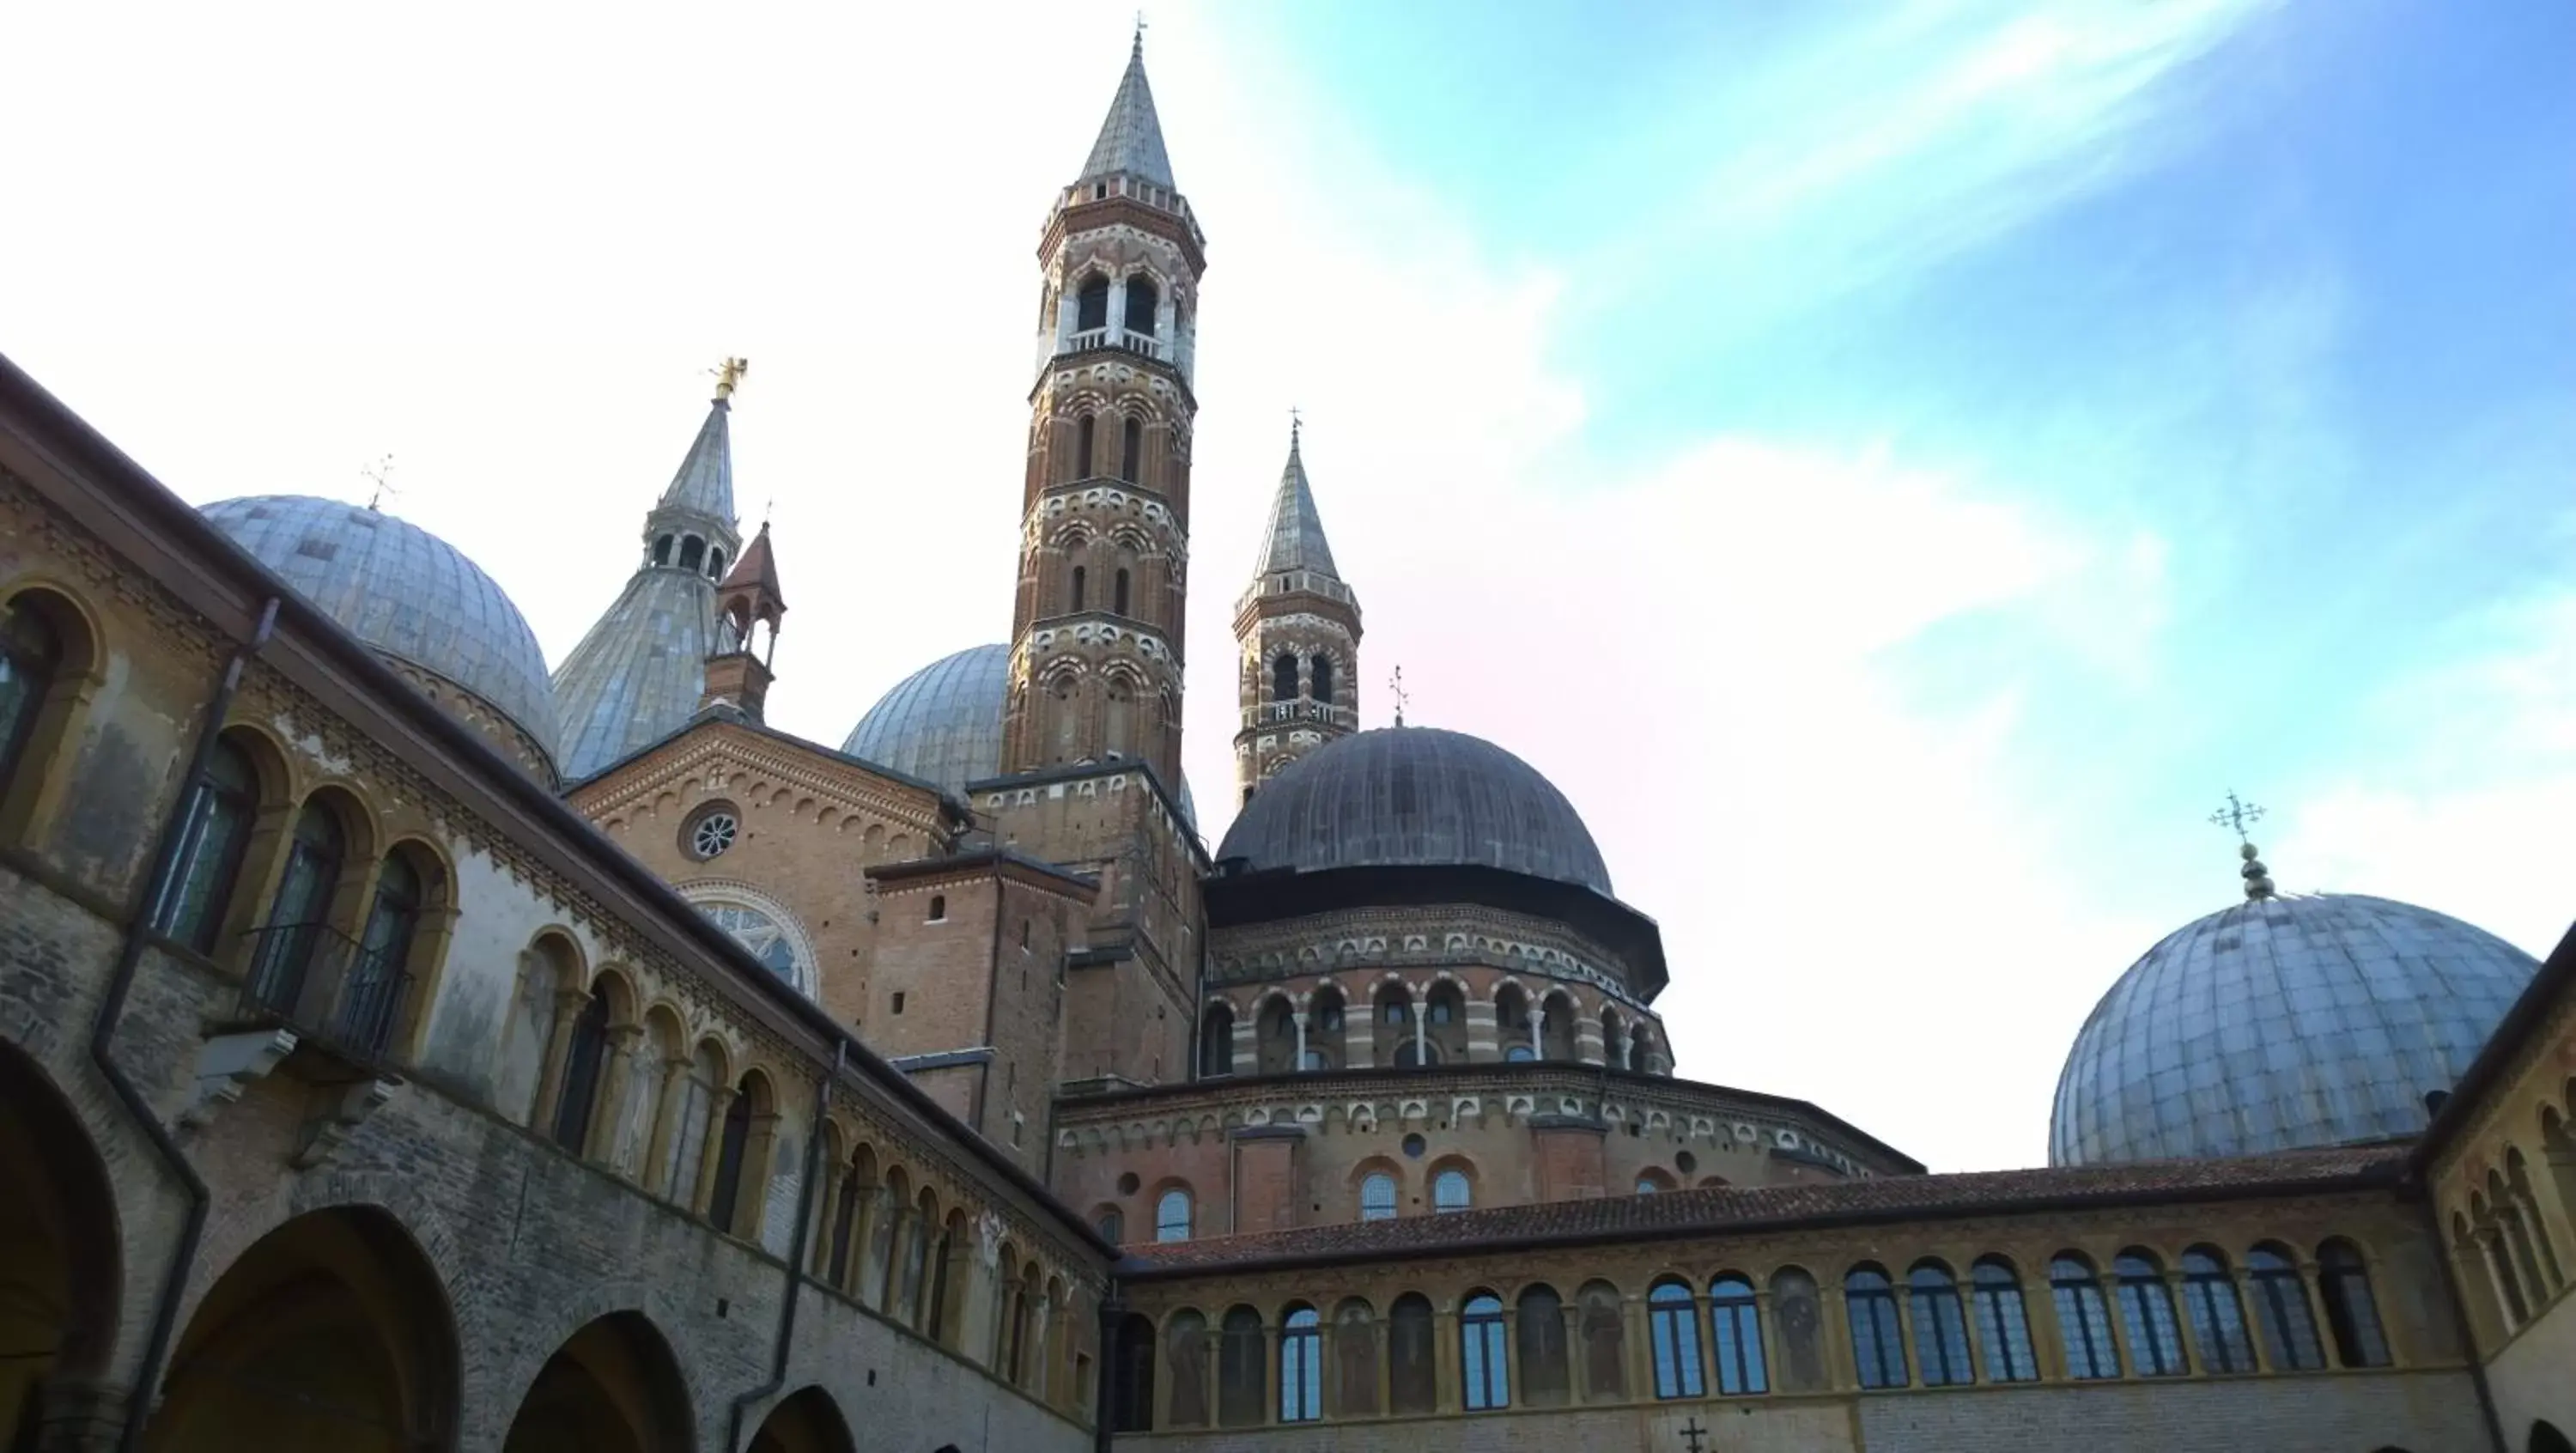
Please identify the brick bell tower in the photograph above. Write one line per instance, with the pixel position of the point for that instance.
(1297, 630)
(1104, 527)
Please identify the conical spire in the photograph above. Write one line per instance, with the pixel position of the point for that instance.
(1131, 140)
(705, 480)
(756, 571)
(1296, 537)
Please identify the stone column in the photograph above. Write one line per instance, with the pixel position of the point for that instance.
(1639, 1344)
(827, 1202)
(618, 1065)
(658, 1174)
(1421, 1028)
(1298, 1017)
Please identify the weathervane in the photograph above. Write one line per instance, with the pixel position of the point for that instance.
(382, 473)
(729, 376)
(1396, 685)
(2235, 816)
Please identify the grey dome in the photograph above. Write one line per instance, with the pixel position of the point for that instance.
(942, 723)
(405, 592)
(1415, 796)
(2282, 1023)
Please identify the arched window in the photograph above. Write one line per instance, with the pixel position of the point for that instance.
(1672, 1326)
(1216, 1042)
(776, 944)
(381, 971)
(693, 551)
(938, 909)
(2281, 1306)
(1735, 1324)
(1547, 1379)
(2545, 1438)
(2083, 1320)
(583, 1058)
(1118, 593)
(1354, 1360)
(1377, 1196)
(1450, 1191)
(2146, 1306)
(297, 914)
(1141, 298)
(1283, 677)
(1320, 669)
(1186, 1339)
(1481, 1364)
(212, 838)
(1878, 1343)
(31, 657)
(1085, 446)
(1091, 304)
(1112, 1225)
(1131, 449)
(1075, 606)
(1239, 1373)
(715, 568)
(846, 1212)
(2217, 1318)
(1413, 1380)
(662, 550)
(1172, 1216)
(1274, 1037)
(726, 1198)
(1410, 1055)
(689, 1140)
(1940, 1326)
(2003, 1323)
(1519, 1054)
(1131, 1376)
(1301, 1365)
(919, 1227)
(2352, 1314)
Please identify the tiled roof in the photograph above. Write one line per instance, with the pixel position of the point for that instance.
(1723, 1209)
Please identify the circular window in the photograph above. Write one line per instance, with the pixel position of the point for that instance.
(711, 834)
(1687, 1161)
(1413, 1147)
(1127, 1184)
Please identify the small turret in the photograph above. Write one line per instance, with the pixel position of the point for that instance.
(749, 606)
(1298, 631)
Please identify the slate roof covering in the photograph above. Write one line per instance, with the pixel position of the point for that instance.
(757, 567)
(403, 591)
(1415, 797)
(1719, 1210)
(2281, 1022)
(942, 723)
(1131, 139)
(1295, 539)
(705, 480)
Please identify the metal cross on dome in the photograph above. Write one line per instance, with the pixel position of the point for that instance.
(2237, 816)
(1395, 684)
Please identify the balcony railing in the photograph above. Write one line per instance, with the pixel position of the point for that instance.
(1272, 713)
(1142, 344)
(327, 986)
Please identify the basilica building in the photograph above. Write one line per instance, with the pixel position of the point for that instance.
(406, 1044)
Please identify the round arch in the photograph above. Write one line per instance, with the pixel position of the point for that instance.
(333, 1330)
(765, 927)
(61, 1280)
(612, 1387)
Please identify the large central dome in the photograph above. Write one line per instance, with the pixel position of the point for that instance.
(1416, 797)
(2282, 1023)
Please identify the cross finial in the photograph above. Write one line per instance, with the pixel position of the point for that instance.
(765, 507)
(1140, 32)
(1396, 685)
(2235, 815)
(382, 473)
(729, 376)
(1296, 424)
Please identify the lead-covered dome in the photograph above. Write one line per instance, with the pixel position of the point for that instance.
(2280, 1023)
(404, 591)
(1415, 797)
(942, 723)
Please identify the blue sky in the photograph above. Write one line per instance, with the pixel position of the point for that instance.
(1896, 465)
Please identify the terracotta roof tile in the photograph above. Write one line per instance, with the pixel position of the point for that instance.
(1720, 1209)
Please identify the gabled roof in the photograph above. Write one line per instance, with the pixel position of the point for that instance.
(1295, 540)
(1131, 139)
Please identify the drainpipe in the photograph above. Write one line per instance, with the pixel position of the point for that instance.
(1113, 1314)
(795, 1253)
(2460, 1323)
(102, 1034)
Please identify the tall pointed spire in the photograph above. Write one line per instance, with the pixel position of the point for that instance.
(1131, 140)
(640, 673)
(1295, 540)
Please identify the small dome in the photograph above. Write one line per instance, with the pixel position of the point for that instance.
(942, 723)
(2282, 1023)
(405, 592)
(1412, 797)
